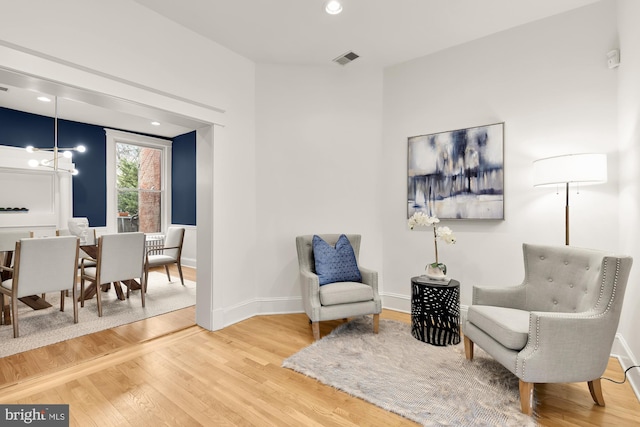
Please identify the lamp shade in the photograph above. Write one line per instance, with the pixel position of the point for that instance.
(571, 168)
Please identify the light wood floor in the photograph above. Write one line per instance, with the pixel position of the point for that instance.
(168, 371)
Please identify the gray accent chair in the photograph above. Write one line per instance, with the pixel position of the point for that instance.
(558, 326)
(336, 300)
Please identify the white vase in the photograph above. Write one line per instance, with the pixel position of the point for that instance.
(436, 271)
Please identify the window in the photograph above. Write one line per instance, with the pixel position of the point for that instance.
(138, 178)
(139, 188)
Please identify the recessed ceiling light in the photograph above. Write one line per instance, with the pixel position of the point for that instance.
(333, 7)
(44, 99)
(155, 123)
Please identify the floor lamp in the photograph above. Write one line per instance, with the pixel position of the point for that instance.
(585, 169)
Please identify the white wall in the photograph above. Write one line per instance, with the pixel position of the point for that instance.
(122, 49)
(549, 82)
(629, 140)
(318, 169)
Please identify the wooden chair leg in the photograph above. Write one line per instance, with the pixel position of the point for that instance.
(82, 293)
(143, 289)
(526, 397)
(376, 323)
(14, 315)
(166, 268)
(74, 300)
(98, 292)
(315, 327)
(62, 300)
(180, 271)
(468, 348)
(595, 388)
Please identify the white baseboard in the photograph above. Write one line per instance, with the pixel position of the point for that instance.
(396, 302)
(261, 306)
(625, 356)
(188, 262)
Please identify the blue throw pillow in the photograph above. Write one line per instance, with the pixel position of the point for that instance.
(335, 264)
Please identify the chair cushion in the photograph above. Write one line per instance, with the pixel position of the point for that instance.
(157, 260)
(90, 272)
(7, 284)
(337, 264)
(508, 326)
(345, 293)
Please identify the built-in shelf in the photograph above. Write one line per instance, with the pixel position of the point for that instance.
(14, 210)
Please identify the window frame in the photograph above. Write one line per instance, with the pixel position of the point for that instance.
(114, 137)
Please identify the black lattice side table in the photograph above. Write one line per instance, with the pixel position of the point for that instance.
(435, 311)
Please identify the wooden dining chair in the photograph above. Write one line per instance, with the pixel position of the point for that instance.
(91, 239)
(8, 241)
(169, 254)
(120, 259)
(42, 265)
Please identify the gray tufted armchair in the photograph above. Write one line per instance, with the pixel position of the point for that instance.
(558, 326)
(336, 300)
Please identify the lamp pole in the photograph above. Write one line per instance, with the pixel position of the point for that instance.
(566, 216)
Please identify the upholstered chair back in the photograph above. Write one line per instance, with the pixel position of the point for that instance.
(8, 239)
(304, 244)
(173, 239)
(45, 264)
(121, 257)
(565, 279)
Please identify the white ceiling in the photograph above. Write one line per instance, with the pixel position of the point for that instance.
(383, 33)
(22, 94)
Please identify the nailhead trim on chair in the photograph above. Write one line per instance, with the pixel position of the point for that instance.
(609, 303)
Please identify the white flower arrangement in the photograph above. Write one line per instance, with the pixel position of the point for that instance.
(420, 219)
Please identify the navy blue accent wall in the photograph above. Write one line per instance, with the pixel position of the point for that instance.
(90, 185)
(18, 129)
(183, 181)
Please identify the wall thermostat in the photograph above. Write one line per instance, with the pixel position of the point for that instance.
(613, 58)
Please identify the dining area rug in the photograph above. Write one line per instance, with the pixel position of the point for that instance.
(39, 328)
(434, 386)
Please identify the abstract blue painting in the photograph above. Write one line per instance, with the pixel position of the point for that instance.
(457, 174)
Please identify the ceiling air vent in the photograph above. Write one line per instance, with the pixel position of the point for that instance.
(345, 58)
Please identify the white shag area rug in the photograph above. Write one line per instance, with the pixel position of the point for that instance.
(39, 328)
(434, 386)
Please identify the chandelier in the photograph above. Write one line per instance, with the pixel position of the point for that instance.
(58, 152)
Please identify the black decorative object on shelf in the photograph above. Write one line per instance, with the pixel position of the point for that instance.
(435, 311)
(13, 210)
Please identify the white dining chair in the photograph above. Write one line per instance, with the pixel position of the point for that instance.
(8, 241)
(90, 239)
(168, 255)
(120, 259)
(42, 265)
